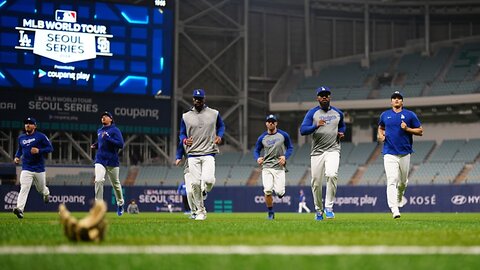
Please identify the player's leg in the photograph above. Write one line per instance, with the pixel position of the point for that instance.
(113, 174)
(332, 161)
(190, 199)
(26, 178)
(318, 173)
(392, 171)
(195, 170)
(306, 207)
(404, 165)
(267, 180)
(100, 172)
(39, 180)
(279, 182)
(208, 172)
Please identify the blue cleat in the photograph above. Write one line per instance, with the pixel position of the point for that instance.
(329, 214)
(319, 216)
(119, 210)
(271, 215)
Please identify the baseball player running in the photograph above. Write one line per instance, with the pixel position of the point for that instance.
(325, 124)
(201, 130)
(395, 129)
(32, 145)
(277, 148)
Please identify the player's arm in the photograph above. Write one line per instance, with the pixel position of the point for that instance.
(116, 138)
(414, 127)
(220, 126)
(257, 150)
(341, 126)
(179, 154)
(288, 144)
(94, 145)
(47, 146)
(18, 154)
(308, 127)
(183, 133)
(381, 134)
(415, 131)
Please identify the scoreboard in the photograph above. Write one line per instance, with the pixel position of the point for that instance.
(64, 62)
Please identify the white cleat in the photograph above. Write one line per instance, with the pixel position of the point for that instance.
(395, 212)
(201, 216)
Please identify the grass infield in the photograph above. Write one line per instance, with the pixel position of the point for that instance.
(249, 229)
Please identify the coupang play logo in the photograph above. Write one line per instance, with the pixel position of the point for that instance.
(64, 39)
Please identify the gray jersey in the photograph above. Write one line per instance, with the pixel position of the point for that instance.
(324, 138)
(274, 146)
(202, 127)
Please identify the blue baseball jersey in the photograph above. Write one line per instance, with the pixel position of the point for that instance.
(301, 198)
(110, 141)
(33, 162)
(274, 146)
(398, 141)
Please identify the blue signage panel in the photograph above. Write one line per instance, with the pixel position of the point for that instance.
(440, 198)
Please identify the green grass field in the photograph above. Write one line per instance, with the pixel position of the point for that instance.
(253, 231)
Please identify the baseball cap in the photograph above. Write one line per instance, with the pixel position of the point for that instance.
(107, 114)
(199, 93)
(323, 89)
(397, 94)
(30, 120)
(271, 118)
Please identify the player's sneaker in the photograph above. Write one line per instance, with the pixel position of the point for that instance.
(205, 195)
(193, 216)
(329, 214)
(18, 212)
(119, 210)
(395, 212)
(319, 216)
(46, 198)
(271, 215)
(201, 216)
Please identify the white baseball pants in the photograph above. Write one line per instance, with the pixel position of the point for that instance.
(202, 170)
(273, 179)
(26, 180)
(113, 174)
(324, 169)
(396, 170)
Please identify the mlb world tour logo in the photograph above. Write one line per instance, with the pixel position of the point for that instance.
(64, 39)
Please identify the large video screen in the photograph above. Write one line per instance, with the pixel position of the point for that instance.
(68, 61)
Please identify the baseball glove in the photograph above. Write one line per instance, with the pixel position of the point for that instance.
(90, 228)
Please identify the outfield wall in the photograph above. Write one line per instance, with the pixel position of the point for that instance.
(431, 198)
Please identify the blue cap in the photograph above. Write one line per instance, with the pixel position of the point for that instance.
(271, 118)
(323, 89)
(107, 114)
(199, 93)
(397, 94)
(30, 120)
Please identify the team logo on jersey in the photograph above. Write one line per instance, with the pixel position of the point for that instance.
(27, 142)
(272, 142)
(402, 116)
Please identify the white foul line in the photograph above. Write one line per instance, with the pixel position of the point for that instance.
(242, 250)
